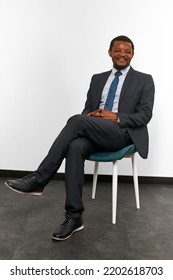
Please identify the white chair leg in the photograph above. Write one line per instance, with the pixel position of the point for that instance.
(96, 165)
(114, 191)
(135, 180)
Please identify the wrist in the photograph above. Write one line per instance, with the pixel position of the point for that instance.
(116, 117)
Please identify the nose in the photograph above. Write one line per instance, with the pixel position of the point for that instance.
(122, 53)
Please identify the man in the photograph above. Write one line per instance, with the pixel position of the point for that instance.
(117, 110)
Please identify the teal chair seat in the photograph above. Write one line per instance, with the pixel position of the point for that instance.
(111, 156)
(126, 152)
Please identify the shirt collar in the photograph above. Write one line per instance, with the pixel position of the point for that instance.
(124, 71)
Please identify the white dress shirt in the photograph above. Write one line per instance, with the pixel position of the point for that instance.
(118, 91)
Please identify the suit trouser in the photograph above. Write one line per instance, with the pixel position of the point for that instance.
(81, 136)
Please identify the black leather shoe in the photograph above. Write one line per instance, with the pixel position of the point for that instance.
(25, 185)
(65, 230)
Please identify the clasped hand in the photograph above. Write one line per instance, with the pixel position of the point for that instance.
(101, 113)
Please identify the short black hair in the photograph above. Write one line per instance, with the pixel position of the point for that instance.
(121, 38)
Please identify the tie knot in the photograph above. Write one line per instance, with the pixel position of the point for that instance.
(118, 73)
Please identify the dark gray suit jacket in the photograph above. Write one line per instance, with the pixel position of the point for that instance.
(135, 104)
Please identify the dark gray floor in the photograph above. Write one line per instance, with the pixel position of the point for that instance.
(27, 223)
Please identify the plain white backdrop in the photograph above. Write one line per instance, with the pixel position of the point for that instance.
(49, 49)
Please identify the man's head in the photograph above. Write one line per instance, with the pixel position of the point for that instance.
(121, 51)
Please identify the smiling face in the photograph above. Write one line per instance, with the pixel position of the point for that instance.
(121, 53)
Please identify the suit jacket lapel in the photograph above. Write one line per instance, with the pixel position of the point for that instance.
(103, 79)
(127, 83)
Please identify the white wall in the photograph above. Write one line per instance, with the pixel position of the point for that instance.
(48, 51)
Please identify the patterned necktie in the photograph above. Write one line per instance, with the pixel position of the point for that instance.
(112, 90)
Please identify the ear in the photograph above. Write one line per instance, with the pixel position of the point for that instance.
(110, 53)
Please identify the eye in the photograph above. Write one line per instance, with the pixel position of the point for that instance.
(128, 51)
(116, 50)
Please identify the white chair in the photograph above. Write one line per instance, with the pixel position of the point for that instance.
(127, 152)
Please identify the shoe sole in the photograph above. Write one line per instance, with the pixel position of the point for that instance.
(17, 191)
(68, 236)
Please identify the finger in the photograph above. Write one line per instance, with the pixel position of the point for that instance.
(101, 110)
